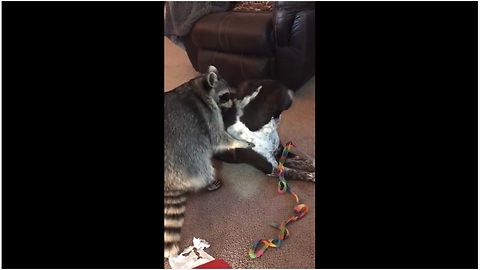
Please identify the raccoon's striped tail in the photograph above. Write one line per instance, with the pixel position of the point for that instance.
(173, 220)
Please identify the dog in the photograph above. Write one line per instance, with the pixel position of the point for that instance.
(253, 115)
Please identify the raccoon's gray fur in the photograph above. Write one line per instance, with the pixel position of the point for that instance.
(194, 131)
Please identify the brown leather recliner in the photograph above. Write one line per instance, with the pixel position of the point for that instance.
(257, 45)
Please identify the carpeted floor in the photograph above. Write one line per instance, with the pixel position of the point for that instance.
(232, 218)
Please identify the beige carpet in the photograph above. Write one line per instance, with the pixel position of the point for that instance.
(232, 218)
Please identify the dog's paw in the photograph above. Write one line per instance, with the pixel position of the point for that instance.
(274, 173)
(301, 164)
(311, 177)
(295, 174)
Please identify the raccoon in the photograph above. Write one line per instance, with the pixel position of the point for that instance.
(194, 132)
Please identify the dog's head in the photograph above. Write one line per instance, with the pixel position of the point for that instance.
(260, 101)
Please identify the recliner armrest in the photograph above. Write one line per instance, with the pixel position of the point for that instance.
(235, 32)
(293, 6)
(284, 14)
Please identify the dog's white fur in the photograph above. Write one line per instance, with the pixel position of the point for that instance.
(266, 139)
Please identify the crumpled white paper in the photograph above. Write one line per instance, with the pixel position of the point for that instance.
(189, 259)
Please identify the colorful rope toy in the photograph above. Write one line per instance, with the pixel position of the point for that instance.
(300, 210)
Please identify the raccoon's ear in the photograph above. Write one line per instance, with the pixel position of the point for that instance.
(212, 69)
(212, 78)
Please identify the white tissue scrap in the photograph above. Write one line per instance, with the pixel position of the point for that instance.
(200, 243)
(189, 259)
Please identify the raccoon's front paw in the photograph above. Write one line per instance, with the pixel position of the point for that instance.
(243, 144)
(215, 185)
(250, 145)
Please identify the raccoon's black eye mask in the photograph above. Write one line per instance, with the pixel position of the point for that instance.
(225, 97)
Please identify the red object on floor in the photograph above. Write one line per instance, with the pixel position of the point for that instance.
(215, 264)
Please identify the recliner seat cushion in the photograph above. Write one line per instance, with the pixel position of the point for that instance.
(243, 33)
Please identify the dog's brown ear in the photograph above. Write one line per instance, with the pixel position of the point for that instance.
(232, 94)
(247, 99)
